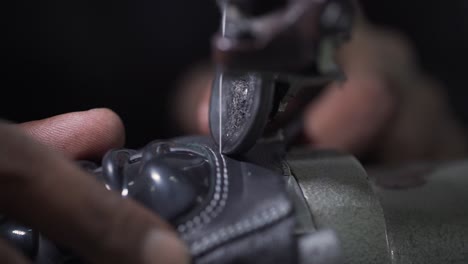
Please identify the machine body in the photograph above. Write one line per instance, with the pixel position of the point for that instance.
(243, 196)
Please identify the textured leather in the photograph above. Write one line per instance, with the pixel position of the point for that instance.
(246, 218)
(226, 210)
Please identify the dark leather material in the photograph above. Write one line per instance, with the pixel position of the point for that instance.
(246, 217)
(227, 210)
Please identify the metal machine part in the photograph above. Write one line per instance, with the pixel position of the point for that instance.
(267, 53)
(427, 223)
(376, 223)
(240, 107)
(289, 37)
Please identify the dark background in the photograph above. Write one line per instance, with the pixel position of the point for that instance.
(67, 55)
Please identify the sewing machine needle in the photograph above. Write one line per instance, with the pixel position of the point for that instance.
(223, 33)
(220, 113)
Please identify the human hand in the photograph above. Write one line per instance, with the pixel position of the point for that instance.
(388, 108)
(41, 187)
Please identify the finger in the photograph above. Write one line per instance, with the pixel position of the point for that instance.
(9, 255)
(348, 117)
(203, 114)
(191, 102)
(42, 189)
(86, 134)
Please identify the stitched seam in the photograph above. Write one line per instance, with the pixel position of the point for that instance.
(223, 235)
(217, 202)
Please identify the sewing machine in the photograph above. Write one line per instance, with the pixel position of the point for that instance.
(245, 196)
(273, 51)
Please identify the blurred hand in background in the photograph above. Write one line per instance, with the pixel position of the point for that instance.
(388, 110)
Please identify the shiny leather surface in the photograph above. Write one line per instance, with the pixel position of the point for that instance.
(179, 179)
(23, 238)
(253, 221)
(227, 210)
(224, 209)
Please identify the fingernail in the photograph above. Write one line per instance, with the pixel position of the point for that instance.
(162, 247)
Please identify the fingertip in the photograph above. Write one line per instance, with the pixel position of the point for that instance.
(112, 123)
(85, 134)
(163, 247)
